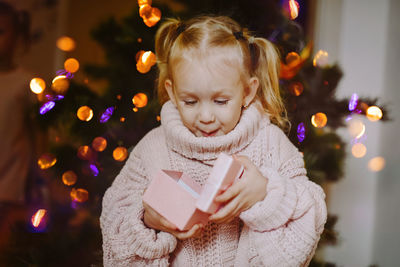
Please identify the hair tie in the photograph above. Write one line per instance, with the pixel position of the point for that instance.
(239, 35)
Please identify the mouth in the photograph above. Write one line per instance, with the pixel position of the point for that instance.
(209, 134)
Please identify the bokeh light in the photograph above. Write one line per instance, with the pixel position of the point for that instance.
(321, 59)
(358, 150)
(46, 107)
(79, 195)
(294, 9)
(301, 132)
(140, 100)
(356, 128)
(46, 161)
(37, 85)
(374, 113)
(296, 88)
(38, 217)
(150, 15)
(120, 153)
(66, 43)
(319, 120)
(99, 144)
(85, 113)
(292, 58)
(353, 102)
(71, 65)
(145, 60)
(376, 164)
(106, 115)
(144, 2)
(60, 84)
(69, 178)
(85, 153)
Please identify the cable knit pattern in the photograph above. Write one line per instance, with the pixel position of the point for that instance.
(281, 230)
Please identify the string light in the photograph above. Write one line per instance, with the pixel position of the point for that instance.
(46, 161)
(358, 150)
(85, 153)
(46, 107)
(38, 217)
(374, 113)
(85, 113)
(140, 100)
(296, 88)
(79, 195)
(60, 84)
(319, 120)
(353, 102)
(376, 164)
(99, 144)
(294, 9)
(145, 60)
(37, 85)
(120, 153)
(356, 128)
(106, 114)
(301, 132)
(71, 65)
(69, 178)
(320, 59)
(66, 43)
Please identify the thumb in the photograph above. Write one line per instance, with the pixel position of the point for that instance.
(244, 160)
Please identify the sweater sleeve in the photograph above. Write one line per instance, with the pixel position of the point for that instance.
(285, 227)
(126, 240)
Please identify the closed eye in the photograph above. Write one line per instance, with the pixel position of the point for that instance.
(189, 102)
(221, 101)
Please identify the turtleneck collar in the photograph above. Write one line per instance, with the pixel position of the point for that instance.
(181, 140)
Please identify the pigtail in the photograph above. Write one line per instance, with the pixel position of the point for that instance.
(266, 68)
(164, 39)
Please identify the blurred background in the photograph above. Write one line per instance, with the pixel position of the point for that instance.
(77, 92)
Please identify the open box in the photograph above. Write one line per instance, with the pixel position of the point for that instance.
(182, 201)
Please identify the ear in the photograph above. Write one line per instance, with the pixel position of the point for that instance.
(250, 93)
(170, 91)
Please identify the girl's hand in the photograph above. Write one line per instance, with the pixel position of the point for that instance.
(242, 195)
(154, 220)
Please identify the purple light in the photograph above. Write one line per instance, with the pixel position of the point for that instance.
(94, 169)
(301, 132)
(353, 102)
(67, 74)
(46, 107)
(54, 97)
(106, 115)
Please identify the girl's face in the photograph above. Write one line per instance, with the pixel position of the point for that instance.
(209, 95)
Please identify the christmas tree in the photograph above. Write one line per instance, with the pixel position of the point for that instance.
(91, 133)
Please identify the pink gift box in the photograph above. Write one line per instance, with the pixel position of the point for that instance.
(182, 201)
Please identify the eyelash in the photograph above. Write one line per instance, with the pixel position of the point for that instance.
(218, 102)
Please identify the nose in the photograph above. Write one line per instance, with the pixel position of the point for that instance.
(206, 115)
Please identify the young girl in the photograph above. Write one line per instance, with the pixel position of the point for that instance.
(219, 86)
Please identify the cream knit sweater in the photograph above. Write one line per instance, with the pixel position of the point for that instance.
(281, 230)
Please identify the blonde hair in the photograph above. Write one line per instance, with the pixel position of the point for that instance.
(258, 56)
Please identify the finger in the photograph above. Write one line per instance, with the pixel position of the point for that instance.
(188, 234)
(244, 160)
(167, 224)
(227, 211)
(230, 193)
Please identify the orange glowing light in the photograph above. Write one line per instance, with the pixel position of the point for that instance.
(153, 18)
(71, 65)
(60, 84)
(140, 100)
(120, 153)
(356, 128)
(69, 178)
(294, 9)
(46, 161)
(144, 2)
(358, 150)
(99, 144)
(296, 88)
(292, 58)
(122, 119)
(145, 11)
(374, 113)
(85, 113)
(66, 43)
(135, 109)
(139, 40)
(288, 71)
(119, 97)
(376, 164)
(321, 59)
(37, 85)
(319, 120)
(85, 153)
(158, 118)
(79, 195)
(37, 218)
(145, 60)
